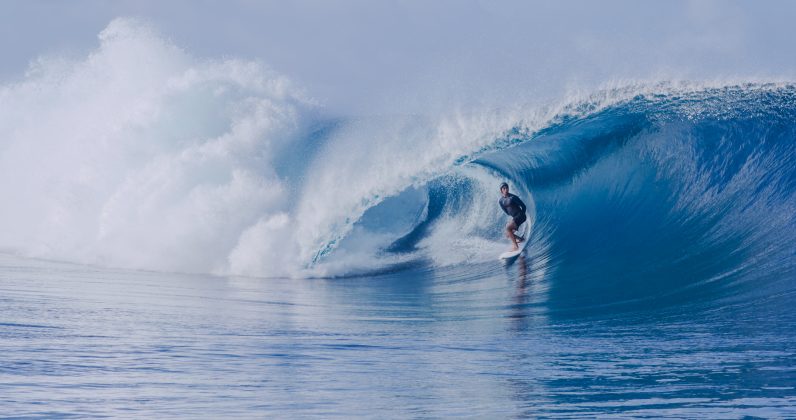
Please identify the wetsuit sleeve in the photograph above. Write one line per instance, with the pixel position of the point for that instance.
(519, 203)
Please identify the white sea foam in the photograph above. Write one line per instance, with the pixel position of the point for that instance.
(142, 156)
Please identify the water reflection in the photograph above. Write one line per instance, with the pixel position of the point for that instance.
(519, 308)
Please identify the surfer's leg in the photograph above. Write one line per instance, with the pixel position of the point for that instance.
(510, 228)
(518, 221)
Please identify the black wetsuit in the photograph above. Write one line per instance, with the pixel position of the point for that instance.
(514, 207)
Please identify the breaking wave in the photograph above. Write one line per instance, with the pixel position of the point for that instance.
(141, 156)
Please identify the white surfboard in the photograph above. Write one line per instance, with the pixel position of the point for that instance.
(510, 254)
(525, 233)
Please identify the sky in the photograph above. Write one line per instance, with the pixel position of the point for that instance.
(370, 57)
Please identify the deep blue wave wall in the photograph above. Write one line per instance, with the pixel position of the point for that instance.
(662, 200)
(666, 199)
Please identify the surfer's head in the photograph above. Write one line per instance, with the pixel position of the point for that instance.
(504, 188)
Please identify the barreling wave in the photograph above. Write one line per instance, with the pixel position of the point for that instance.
(226, 167)
(659, 193)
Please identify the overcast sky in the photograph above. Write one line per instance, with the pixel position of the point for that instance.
(395, 56)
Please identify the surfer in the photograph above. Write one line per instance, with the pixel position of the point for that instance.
(514, 207)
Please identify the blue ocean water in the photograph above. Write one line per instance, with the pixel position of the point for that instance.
(658, 282)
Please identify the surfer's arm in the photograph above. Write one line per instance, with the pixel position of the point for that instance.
(519, 203)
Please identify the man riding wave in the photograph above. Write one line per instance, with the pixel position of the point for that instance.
(514, 207)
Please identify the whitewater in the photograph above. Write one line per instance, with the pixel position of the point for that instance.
(197, 237)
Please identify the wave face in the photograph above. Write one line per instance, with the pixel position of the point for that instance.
(650, 184)
(665, 198)
(636, 197)
(224, 166)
